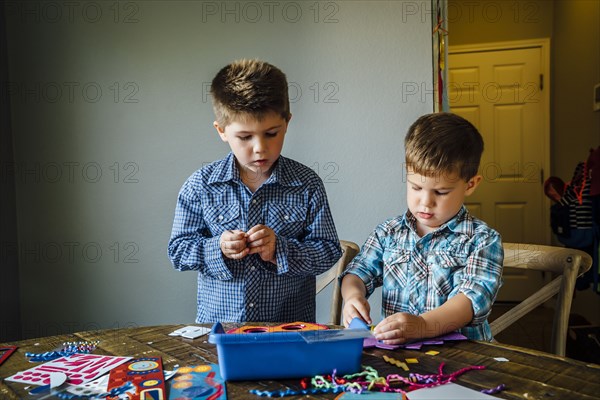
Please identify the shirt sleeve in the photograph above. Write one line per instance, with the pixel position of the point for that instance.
(483, 275)
(191, 246)
(368, 263)
(319, 249)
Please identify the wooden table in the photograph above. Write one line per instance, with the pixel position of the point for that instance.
(527, 375)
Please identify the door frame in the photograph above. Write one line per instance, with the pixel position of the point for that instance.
(544, 45)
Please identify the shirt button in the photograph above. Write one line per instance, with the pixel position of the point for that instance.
(220, 218)
(254, 201)
(251, 305)
(252, 268)
(286, 217)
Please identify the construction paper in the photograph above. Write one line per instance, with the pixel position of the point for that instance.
(197, 383)
(145, 373)
(79, 368)
(448, 391)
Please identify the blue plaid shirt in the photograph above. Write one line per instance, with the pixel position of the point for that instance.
(420, 274)
(293, 203)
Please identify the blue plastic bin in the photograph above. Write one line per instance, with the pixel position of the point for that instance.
(280, 355)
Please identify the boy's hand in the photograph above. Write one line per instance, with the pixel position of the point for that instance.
(400, 328)
(262, 241)
(233, 244)
(356, 306)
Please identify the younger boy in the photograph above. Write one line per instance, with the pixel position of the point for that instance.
(439, 266)
(255, 225)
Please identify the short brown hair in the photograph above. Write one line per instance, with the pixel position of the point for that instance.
(443, 143)
(249, 88)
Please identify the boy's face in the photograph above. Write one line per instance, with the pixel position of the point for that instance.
(255, 144)
(434, 200)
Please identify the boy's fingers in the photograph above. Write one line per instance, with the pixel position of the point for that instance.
(254, 229)
(236, 235)
(237, 256)
(264, 241)
(235, 246)
(258, 234)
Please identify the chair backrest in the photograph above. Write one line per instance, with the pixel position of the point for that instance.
(349, 250)
(567, 263)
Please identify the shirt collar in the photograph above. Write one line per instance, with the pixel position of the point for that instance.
(227, 170)
(284, 173)
(462, 222)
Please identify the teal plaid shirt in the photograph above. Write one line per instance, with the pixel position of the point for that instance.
(419, 274)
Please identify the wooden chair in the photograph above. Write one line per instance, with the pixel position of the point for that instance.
(349, 250)
(567, 263)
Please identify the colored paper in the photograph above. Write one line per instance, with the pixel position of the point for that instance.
(79, 368)
(5, 352)
(145, 373)
(448, 391)
(372, 342)
(197, 383)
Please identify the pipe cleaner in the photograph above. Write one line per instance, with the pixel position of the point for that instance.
(67, 349)
(370, 380)
(495, 390)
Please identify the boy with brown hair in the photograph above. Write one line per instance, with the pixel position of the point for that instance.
(439, 266)
(255, 225)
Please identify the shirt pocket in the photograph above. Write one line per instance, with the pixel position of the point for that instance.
(396, 269)
(447, 272)
(287, 220)
(222, 218)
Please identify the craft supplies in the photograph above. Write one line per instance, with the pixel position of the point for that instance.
(115, 393)
(495, 390)
(289, 327)
(395, 362)
(285, 354)
(145, 373)
(190, 332)
(452, 336)
(67, 349)
(79, 368)
(197, 382)
(5, 352)
(369, 380)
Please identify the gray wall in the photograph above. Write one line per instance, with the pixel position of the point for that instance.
(110, 115)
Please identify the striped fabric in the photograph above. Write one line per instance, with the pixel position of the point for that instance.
(293, 203)
(577, 198)
(420, 274)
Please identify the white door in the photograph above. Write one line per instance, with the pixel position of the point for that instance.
(501, 91)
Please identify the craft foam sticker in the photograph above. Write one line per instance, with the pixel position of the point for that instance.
(79, 368)
(201, 382)
(145, 373)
